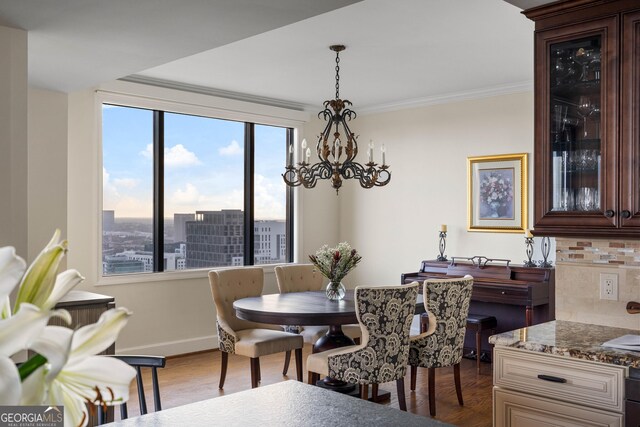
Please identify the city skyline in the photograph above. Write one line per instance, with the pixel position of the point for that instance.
(210, 238)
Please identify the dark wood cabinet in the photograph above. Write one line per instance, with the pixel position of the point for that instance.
(587, 118)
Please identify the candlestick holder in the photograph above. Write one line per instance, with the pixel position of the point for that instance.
(546, 247)
(529, 242)
(442, 246)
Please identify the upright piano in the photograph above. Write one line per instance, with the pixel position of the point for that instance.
(517, 296)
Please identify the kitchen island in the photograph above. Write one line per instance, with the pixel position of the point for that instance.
(559, 373)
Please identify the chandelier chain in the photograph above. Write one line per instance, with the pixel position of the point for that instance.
(338, 75)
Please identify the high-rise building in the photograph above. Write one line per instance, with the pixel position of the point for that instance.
(215, 238)
(108, 220)
(270, 243)
(180, 226)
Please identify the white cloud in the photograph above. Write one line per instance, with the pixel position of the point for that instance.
(110, 192)
(148, 152)
(176, 156)
(187, 196)
(269, 198)
(126, 182)
(233, 149)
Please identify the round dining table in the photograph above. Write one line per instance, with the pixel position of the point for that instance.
(304, 309)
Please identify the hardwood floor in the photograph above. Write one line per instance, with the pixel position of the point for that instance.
(194, 377)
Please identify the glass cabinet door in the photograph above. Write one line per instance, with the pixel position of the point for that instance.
(576, 150)
(575, 102)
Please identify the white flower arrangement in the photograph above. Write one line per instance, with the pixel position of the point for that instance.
(65, 369)
(335, 263)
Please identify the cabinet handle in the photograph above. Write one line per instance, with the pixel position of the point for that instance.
(625, 214)
(552, 378)
(609, 213)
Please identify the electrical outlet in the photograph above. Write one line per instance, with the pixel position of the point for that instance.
(609, 286)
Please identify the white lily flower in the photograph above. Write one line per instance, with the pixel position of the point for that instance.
(74, 374)
(95, 338)
(65, 281)
(66, 370)
(11, 270)
(10, 386)
(39, 280)
(17, 332)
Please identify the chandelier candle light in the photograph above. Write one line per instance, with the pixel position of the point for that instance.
(442, 244)
(528, 240)
(337, 149)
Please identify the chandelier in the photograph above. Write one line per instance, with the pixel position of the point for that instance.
(337, 149)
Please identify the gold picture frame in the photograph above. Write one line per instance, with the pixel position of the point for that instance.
(497, 193)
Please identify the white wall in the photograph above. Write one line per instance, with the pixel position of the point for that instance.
(13, 139)
(396, 226)
(47, 167)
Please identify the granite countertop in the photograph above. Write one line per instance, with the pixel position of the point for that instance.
(571, 339)
(286, 403)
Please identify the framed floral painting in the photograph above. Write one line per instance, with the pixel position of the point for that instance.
(497, 193)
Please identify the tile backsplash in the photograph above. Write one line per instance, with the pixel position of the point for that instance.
(601, 252)
(579, 263)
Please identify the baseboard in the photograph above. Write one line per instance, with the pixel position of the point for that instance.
(172, 348)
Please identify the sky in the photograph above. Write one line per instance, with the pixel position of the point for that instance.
(204, 164)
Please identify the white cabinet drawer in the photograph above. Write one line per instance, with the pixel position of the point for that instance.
(513, 409)
(584, 383)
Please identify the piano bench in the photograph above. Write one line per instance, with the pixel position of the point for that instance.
(480, 323)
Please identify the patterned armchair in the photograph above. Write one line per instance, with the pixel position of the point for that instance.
(237, 336)
(385, 315)
(447, 304)
(303, 278)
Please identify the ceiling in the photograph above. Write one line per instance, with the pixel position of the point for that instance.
(399, 53)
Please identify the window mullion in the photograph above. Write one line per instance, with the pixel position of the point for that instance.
(289, 207)
(158, 191)
(249, 167)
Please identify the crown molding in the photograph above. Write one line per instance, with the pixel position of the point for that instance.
(449, 97)
(373, 109)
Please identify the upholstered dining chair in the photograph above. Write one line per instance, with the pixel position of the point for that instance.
(242, 337)
(303, 278)
(385, 314)
(447, 304)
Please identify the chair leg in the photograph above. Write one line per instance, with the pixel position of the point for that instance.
(432, 391)
(223, 369)
(310, 378)
(374, 392)
(299, 363)
(255, 371)
(414, 375)
(287, 359)
(401, 400)
(259, 372)
(456, 378)
(478, 348)
(364, 391)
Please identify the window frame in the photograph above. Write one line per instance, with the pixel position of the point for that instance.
(180, 102)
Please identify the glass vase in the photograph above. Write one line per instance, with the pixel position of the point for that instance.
(335, 291)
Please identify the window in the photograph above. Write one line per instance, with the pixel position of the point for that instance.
(216, 182)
